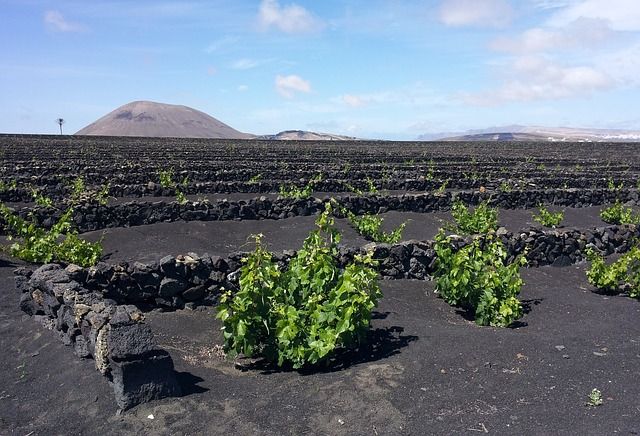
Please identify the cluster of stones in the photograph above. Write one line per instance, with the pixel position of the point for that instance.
(417, 259)
(90, 217)
(113, 334)
(184, 281)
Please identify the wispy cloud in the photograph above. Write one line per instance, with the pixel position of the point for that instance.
(537, 78)
(245, 64)
(582, 33)
(55, 21)
(551, 4)
(413, 95)
(288, 86)
(622, 15)
(478, 13)
(354, 100)
(221, 44)
(289, 19)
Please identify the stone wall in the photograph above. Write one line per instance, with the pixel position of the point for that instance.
(90, 217)
(191, 280)
(114, 335)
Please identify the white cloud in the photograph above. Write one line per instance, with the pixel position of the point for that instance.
(220, 44)
(537, 78)
(551, 4)
(289, 19)
(288, 86)
(623, 65)
(354, 100)
(245, 64)
(243, 88)
(56, 22)
(622, 15)
(584, 32)
(481, 13)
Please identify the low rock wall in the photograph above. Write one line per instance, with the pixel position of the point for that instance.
(191, 280)
(91, 217)
(113, 334)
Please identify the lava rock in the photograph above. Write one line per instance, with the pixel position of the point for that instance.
(171, 287)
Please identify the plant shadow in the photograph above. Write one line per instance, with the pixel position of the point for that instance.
(528, 304)
(468, 314)
(379, 343)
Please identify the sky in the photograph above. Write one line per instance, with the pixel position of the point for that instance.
(387, 69)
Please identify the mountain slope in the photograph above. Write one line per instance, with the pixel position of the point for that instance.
(147, 118)
(536, 133)
(303, 135)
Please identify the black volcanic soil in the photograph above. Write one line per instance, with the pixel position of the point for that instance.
(427, 370)
(152, 242)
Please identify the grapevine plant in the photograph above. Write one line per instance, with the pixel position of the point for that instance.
(300, 315)
(623, 274)
(478, 278)
(619, 214)
(167, 182)
(481, 220)
(547, 218)
(80, 193)
(60, 243)
(297, 193)
(370, 226)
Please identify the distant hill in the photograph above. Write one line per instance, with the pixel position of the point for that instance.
(303, 135)
(536, 133)
(147, 118)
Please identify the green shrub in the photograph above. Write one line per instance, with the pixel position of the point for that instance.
(167, 182)
(548, 219)
(477, 278)
(297, 193)
(60, 243)
(39, 198)
(431, 171)
(370, 226)
(303, 314)
(371, 186)
(80, 193)
(611, 185)
(166, 178)
(481, 220)
(619, 275)
(352, 188)
(255, 179)
(12, 185)
(78, 188)
(506, 186)
(619, 214)
(442, 187)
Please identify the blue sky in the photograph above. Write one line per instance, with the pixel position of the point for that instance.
(391, 69)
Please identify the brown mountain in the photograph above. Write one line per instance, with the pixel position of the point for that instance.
(147, 118)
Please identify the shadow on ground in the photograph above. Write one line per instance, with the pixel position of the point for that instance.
(379, 343)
